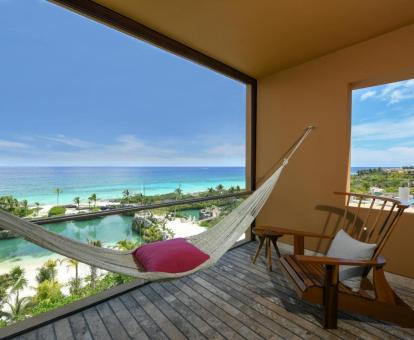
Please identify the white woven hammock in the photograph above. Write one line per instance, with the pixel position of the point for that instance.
(215, 241)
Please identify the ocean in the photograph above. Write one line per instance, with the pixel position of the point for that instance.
(37, 184)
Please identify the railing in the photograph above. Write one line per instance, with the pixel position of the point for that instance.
(129, 209)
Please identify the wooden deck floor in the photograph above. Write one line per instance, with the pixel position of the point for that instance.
(233, 300)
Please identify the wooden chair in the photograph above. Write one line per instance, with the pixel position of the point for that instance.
(315, 278)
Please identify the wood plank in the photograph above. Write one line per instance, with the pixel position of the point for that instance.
(204, 313)
(278, 314)
(181, 323)
(131, 326)
(63, 330)
(222, 314)
(79, 327)
(245, 306)
(297, 312)
(188, 315)
(111, 322)
(360, 321)
(27, 336)
(232, 307)
(96, 325)
(349, 321)
(283, 290)
(159, 318)
(143, 319)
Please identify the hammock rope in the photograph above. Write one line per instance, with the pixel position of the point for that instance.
(215, 241)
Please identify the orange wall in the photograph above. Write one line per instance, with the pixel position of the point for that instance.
(318, 93)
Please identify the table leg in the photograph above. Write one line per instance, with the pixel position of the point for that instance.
(274, 241)
(261, 241)
(269, 253)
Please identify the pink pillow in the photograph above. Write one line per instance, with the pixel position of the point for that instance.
(172, 256)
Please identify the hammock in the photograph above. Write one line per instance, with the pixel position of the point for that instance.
(215, 241)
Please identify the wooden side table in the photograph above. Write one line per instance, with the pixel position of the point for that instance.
(266, 237)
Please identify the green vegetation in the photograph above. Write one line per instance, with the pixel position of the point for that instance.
(388, 180)
(93, 199)
(16, 207)
(76, 200)
(49, 293)
(57, 211)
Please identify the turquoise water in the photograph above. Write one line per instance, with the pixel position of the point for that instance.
(108, 230)
(191, 213)
(36, 184)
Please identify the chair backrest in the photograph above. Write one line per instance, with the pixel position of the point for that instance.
(370, 219)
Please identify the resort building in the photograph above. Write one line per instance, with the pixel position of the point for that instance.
(298, 63)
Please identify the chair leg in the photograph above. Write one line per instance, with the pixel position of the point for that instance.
(330, 298)
(259, 248)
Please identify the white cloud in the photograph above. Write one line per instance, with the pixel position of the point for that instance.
(392, 93)
(62, 139)
(128, 143)
(6, 144)
(228, 150)
(367, 95)
(396, 92)
(126, 150)
(384, 130)
(393, 156)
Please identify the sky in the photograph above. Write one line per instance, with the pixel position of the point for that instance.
(77, 93)
(383, 125)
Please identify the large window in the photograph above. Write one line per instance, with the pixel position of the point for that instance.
(382, 157)
(93, 121)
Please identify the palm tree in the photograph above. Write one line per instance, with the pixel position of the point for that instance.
(25, 206)
(75, 283)
(74, 264)
(57, 191)
(210, 190)
(37, 209)
(48, 271)
(178, 192)
(220, 188)
(76, 200)
(126, 194)
(93, 198)
(238, 188)
(232, 189)
(10, 203)
(94, 273)
(5, 284)
(18, 306)
(17, 276)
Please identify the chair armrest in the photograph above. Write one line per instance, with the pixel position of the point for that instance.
(285, 231)
(333, 261)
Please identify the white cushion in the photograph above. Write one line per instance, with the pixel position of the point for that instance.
(346, 247)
